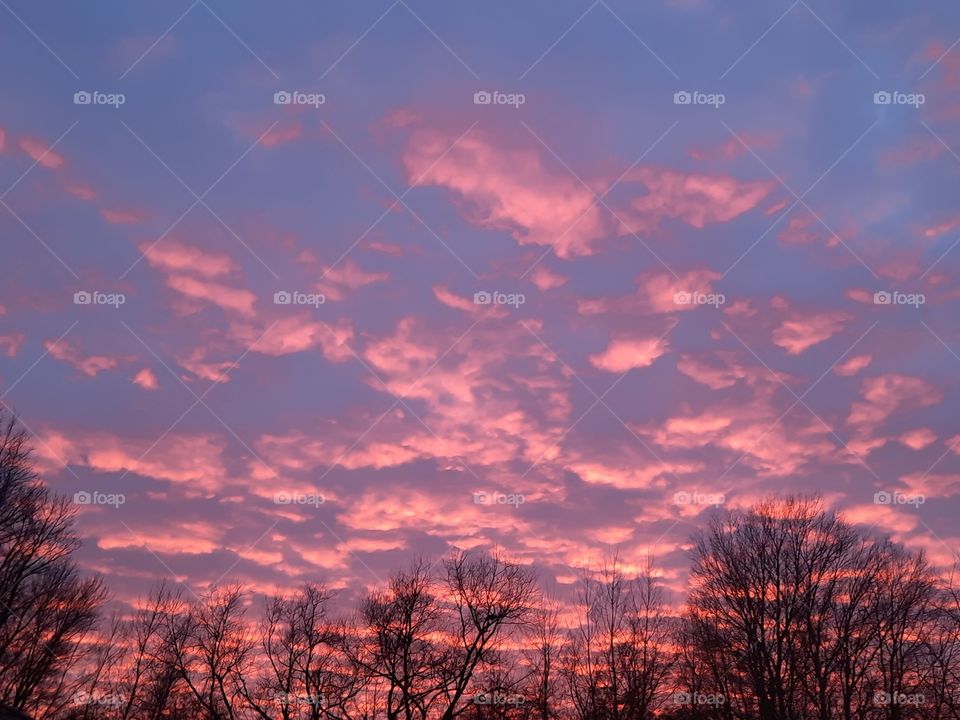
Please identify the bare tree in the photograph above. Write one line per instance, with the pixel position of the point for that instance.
(47, 609)
(804, 616)
(618, 659)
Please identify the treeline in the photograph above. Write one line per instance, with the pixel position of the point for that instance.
(791, 614)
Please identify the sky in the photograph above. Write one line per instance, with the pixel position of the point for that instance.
(301, 291)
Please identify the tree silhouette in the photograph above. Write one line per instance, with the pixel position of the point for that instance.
(46, 609)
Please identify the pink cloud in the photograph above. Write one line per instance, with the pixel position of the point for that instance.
(755, 434)
(451, 299)
(942, 228)
(171, 255)
(90, 366)
(625, 353)
(657, 292)
(918, 439)
(84, 192)
(635, 475)
(853, 365)
(802, 330)
(146, 379)
(122, 216)
(932, 486)
(174, 537)
(508, 189)
(734, 148)
(194, 460)
(546, 279)
(285, 132)
(12, 343)
(296, 334)
(348, 275)
(40, 153)
(722, 370)
(215, 371)
(223, 296)
(696, 199)
(886, 394)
